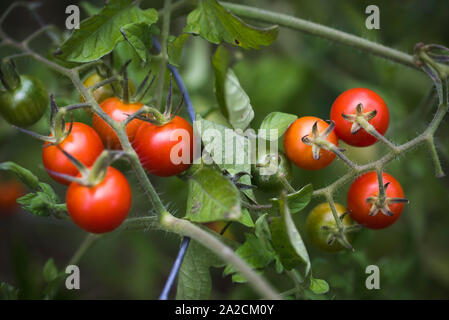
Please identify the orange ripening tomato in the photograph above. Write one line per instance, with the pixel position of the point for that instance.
(83, 143)
(10, 191)
(101, 208)
(119, 111)
(300, 153)
(165, 150)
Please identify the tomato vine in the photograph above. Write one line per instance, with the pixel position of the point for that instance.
(422, 59)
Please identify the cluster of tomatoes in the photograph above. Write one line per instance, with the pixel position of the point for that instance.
(104, 206)
(310, 143)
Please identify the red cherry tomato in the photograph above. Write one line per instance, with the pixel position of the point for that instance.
(101, 208)
(300, 153)
(119, 111)
(367, 186)
(161, 148)
(10, 191)
(346, 103)
(83, 143)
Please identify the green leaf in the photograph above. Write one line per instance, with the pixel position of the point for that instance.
(253, 253)
(25, 175)
(207, 203)
(90, 8)
(175, 49)
(278, 121)
(287, 241)
(246, 219)
(233, 100)
(50, 271)
(42, 203)
(226, 138)
(262, 232)
(298, 200)
(194, 281)
(216, 24)
(99, 34)
(8, 292)
(318, 286)
(261, 228)
(139, 36)
(53, 286)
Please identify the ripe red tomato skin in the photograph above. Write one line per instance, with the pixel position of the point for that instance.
(119, 111)
(301, 154)
(346, 103)
(152, 144)
(83, 143)
(101, 208)
(10, 191)
(365, 186)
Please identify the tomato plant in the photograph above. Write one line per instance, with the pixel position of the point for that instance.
(302, 154)
(355, 105)
(320, 225)
(83, 143)
(165, 150)
(366, 206)
(207, 76)
(119, 111)
(103, 207)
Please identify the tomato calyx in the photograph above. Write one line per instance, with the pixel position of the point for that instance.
(153, 115)
(90, 177)
(339, 233)
(58, 129)
(381, 203)
(360, 119)
(319, 140)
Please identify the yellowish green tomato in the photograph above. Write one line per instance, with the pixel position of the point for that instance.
(321, 216)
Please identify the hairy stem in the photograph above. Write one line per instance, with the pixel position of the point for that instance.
(85, 245)
(188, 229)
(320, 31)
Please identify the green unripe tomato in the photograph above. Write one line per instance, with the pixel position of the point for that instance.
(25, 104)
(321, 216)
(277, 164)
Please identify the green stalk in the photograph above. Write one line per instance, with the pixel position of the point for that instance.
(163, 60)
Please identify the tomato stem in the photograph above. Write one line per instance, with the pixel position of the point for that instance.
(163, 61)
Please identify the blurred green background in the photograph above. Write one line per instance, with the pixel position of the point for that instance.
(298, 74)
